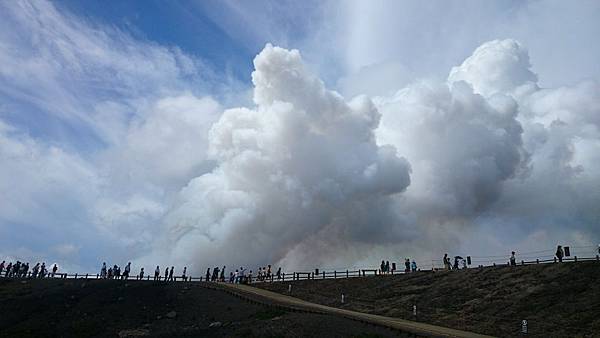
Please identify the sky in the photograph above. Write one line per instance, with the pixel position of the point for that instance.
(329, 134)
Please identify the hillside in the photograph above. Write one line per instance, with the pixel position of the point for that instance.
(112, 308)
(557, 300)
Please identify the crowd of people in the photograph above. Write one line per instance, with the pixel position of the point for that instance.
(20, 269)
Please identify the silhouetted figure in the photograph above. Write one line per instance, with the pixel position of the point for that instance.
(269, 273)
(208, 275)
(171, 273)
(126, 271)
(2, 265)
(513, 259)
(103, 270)
(236, 276)
(166, 273)
(382, 267)
(231, 277)
(560, 253)
(157, 273)
(110, 273)
(54, 269)
(413, 266)
(455, 267)
(446, 262)
(222, 278)
(279, 273)
(8, 269)
(183, 276)
(407, 265)
(141, 273)
(387, 266)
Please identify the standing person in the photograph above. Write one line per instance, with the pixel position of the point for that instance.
(560, 253)
(208, 275)
(222, 279)
(414, 266)
(236, 276)
(157, 273)
(513, 259)
(382, 267)
(166, 273)
(387, 266)
(54, 269)
(279, 273)
(8, 269)
(455, 267)
(141, 274)
(2, 267)
(103, 270)
(171, 273)
(407, 265)
(127, 270)
(43, 270)
(231, 278)
(250, 277)
(269, 273)
(110, 273)
(183, 275)
(446, 262)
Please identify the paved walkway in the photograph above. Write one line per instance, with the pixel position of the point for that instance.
(420, 329)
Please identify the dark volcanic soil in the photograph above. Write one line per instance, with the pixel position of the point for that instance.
(79, 308)
(558, 300)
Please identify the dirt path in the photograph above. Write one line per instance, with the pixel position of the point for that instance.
(417, 328)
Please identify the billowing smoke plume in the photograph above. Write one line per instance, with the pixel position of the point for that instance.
(307, 178)
(304, 160)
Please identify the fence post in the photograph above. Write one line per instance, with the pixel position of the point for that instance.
(75, 276)
(346, 273)
(522, 262)
(575, 258)
(598, 257)
(86, 276)
(335, 273)
(554, 259)
(323, 274)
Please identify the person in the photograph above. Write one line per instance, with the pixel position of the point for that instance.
(279, 273)
(249, 281)
(2, 267)
(208, 275)
(455, 267)
(269, 273)
(25, 269)
(446, 262)
(464, 263)
(8, 270)
(236, 276)
(171, 273)
(127, 270)
(382, 267)
(231, 278)
(54, 269)
(183, 275)
(387, 266)
(413, 266)
(110, 273)
(43, 270)
(222, 278)
(116, 271)
(141, 273)
(157, 273)
(166, 273)
(513, 259)
(259, 276)
(103, 270)
(215, 274)
(407, 265)
(560, 253)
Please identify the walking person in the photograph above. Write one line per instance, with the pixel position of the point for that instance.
(183, 274)
(407, 265)
(103, 270)
(2, 267)
(166, 273)
(127, 270)
(54, 269)
(157, 273)
(387, 267)
(222, 277)
(279, 273)
(141, 276)
(382, 267)
(413, 266)
(446, 262)
(171, 274)
(560, 253)
(208, 275)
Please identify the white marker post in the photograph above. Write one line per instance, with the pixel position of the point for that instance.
(524, 326)
(290, 288)
(415, 310)
(343, 298)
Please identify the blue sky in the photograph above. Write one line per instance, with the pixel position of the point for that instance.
(119, 127)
